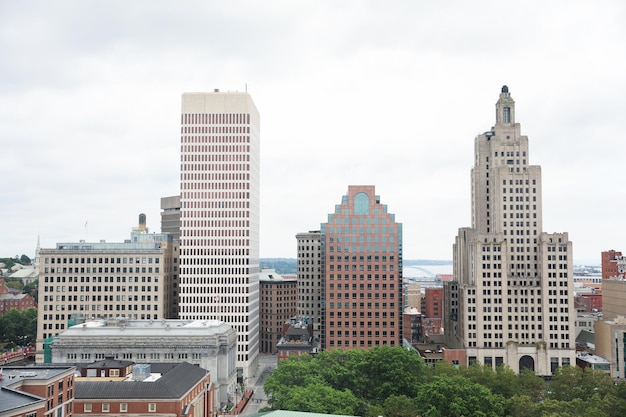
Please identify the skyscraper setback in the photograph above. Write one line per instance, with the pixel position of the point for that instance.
(512, 298)
(219, 236)
(362, 251)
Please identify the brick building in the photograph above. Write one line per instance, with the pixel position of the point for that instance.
(37, 392)
(157, 389)
(279, 298)
(10, 301)
(362, 251)
(613, 264)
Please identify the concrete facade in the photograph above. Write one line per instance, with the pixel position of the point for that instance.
(613, 298)
(220, 198)
(362, 247)
(209, 344)
(80, 280)
(311, 279)
(610, 343)
(512, 300)
(170, 216)
(413, 296)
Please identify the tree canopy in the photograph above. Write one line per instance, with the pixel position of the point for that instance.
(395, 382)
(18, 328)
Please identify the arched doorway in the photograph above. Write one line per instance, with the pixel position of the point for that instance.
(527, 362)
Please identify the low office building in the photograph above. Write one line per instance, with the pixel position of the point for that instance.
(610, 343)
(595, 362)
(412, 328)
(298, 340)
(210, 344)
(37, 392)
(160, 390)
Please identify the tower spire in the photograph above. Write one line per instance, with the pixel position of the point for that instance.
(505, 107)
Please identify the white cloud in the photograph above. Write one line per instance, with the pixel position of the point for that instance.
(362, 92)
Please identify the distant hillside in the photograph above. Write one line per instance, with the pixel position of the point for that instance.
(283, 266)
(289, 266)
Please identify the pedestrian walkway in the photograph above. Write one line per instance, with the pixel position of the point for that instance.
(241, 405)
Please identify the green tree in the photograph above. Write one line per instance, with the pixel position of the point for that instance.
(570, 382)
(25, 260)
(19, 328)
(30, 287)
(320, 398)
(385, 371)
(291, 373)
(521, 406)
(8, 262)
(530, 384)
(399, 406)
(457, 396)
(14, 283)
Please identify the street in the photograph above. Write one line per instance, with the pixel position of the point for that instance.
(267, 363)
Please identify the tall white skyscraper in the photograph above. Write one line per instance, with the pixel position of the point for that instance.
(219, 235)
(512, 298)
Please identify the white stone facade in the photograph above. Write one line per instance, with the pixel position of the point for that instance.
(512, 300)
(82, 280)
(209, 344)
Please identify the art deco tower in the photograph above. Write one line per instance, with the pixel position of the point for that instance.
(512, 298)
(219, 234)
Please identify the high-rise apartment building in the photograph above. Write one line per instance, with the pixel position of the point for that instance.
(512, 300)
(310, 278)
(362, 250)
(219, 235)
(81, 280)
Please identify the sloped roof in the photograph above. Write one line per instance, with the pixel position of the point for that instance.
(585, 337)
(24, 272)
(172, 385)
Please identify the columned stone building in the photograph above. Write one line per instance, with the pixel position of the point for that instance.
(210, 344)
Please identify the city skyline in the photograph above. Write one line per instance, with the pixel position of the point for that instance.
(90, 116)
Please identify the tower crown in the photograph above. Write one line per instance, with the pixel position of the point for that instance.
(505, 107)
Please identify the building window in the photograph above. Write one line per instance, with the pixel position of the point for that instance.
(152, 407)
(105, 407)
(114, 372)
(123, 407)
(87, 408)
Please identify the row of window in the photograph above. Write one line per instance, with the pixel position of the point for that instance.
(361, 343)
(123, 408)
(137, 260)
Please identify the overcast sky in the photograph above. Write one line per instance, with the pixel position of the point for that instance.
(384, 93)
